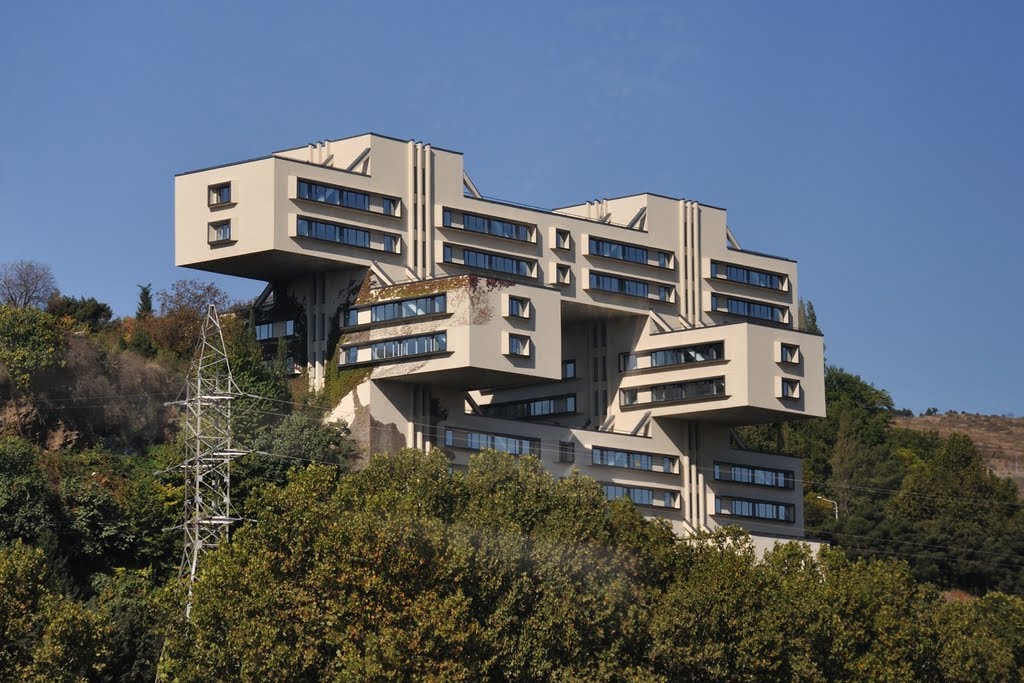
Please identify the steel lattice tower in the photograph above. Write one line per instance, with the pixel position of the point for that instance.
(210, 391)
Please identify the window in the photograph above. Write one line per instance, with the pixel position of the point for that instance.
(664, 293)
(494, 226)
(634, 461)
(628, 397)
(563, 275)
(757, 509)
(410, 308)
(566, 452)
(329, 194)
(387, 206)
(446, 218)
(749, 309)
(518, 345)
(619, 285)
(615, 250)
(350, 355)
(264, 331)
(746, 276)
(518, 308)
(481, 441)
(555, 405)
(409, 346)
(390, 243)
(562, 239)
(289, 328)
(569, 369)
(220, 194)
(664, 259)
(332, 232)
(756, 476)
(684, 391)
(680, 355)
(641, 496)
(790, 388)
(489, 261)
(220, 231)
(790, 353)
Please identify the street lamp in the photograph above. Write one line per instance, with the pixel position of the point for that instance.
(835, 505)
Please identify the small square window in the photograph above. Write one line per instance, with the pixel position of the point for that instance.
(563, 274)
(220, 194)
(518, 345)
(518, 308)
(349, 355)
(664, 293)
(387, 206)
(790, 354)
(219, 232)
(790, 388)
(569, 369)
(664, 260)
(562, 239)
(389, 243)
(566, 452)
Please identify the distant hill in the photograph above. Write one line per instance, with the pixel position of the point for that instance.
(1000, 439)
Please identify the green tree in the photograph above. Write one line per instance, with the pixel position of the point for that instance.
(88, 312)
(145, 308)
(30, 342)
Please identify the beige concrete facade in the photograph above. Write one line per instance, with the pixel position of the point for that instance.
(624, 337)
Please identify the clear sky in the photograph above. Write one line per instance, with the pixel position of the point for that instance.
(880, 144)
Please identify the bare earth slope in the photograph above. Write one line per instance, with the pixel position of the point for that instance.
(1000, 439)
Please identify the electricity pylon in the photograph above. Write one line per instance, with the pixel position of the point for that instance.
(209, 450)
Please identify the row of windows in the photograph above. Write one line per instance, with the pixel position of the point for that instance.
(750, 309)
(408, 309)
(681, 355)
(479, 441)
(758, 509)
(625, 252)
(746, 276)
(488, 261)
(339, 196)
(633, 461)
(410, 346)
(489, 226)
(640, 496)
(343, 234)
(266, 330)
(622, 285)
(758, 476)
(679, 391)
(556, 405)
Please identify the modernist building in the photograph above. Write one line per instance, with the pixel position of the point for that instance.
(625, 337)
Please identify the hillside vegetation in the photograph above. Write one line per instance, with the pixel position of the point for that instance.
(1000, 439)
(405, 571)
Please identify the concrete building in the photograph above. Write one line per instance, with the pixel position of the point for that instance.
(625, 337)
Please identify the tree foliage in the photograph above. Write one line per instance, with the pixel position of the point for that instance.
(89, 313)
(405, 571)
(30, 342)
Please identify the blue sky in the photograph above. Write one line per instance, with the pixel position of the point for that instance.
(879, 144)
